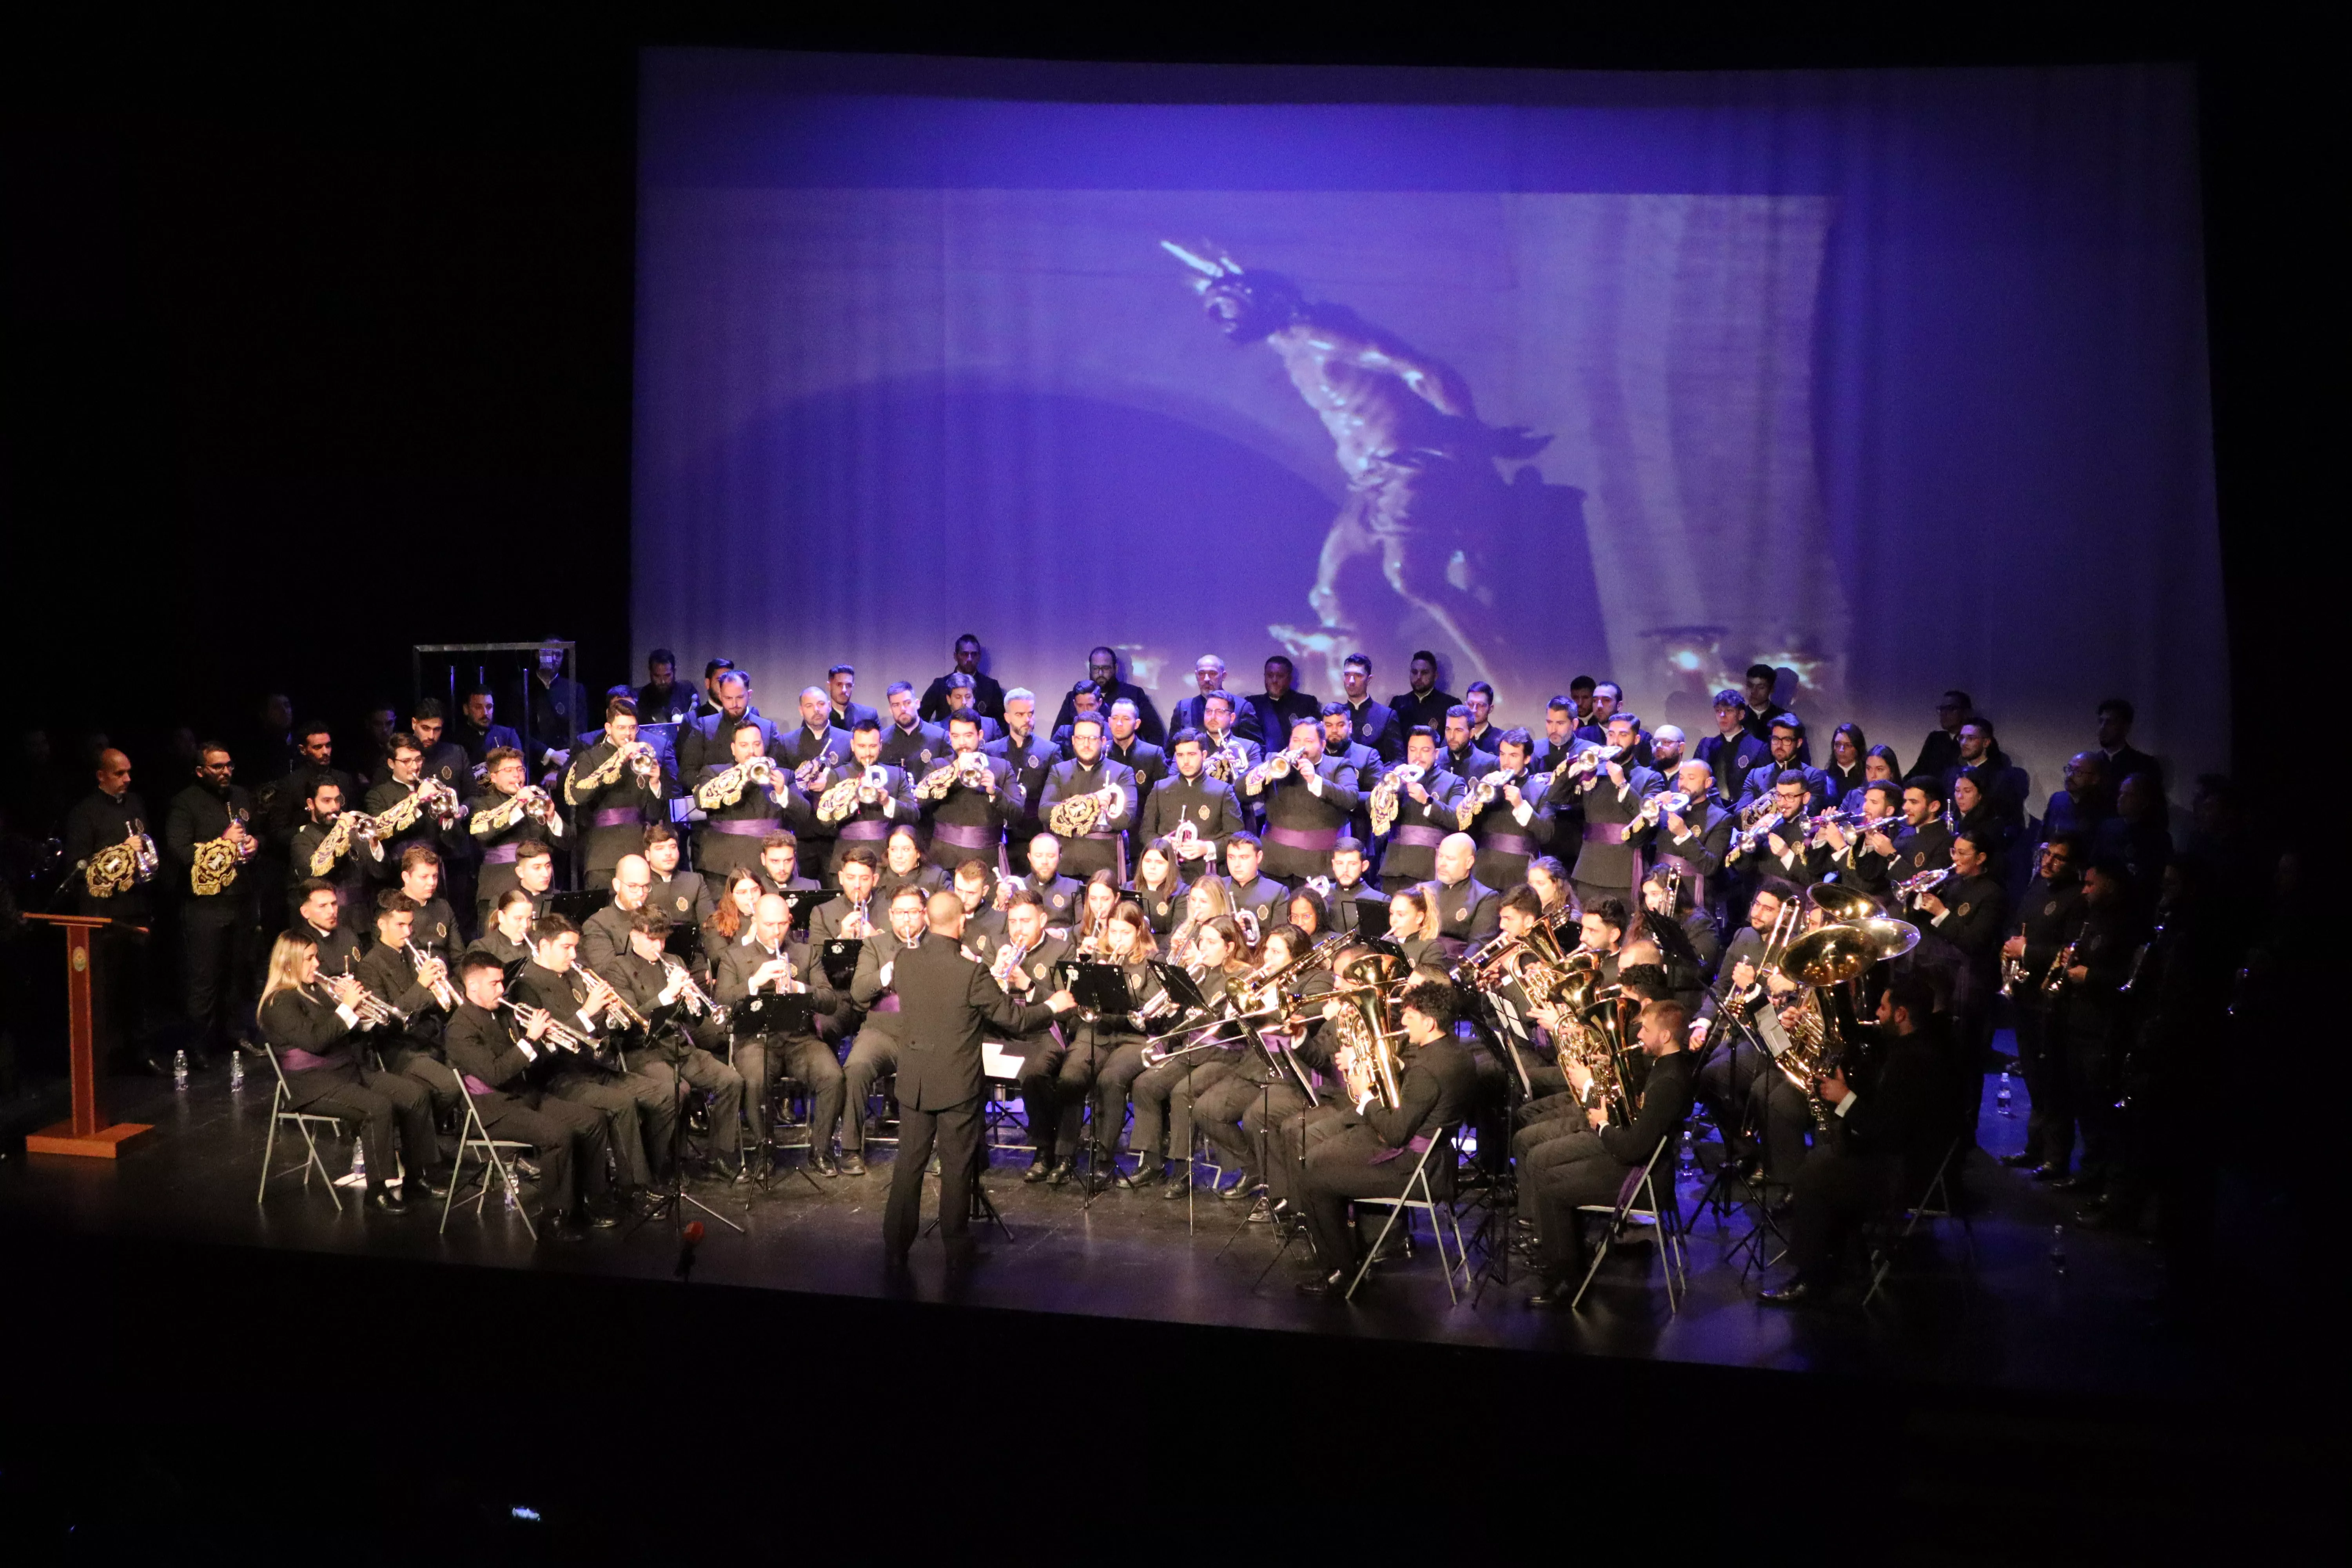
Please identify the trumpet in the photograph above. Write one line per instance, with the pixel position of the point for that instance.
(630, 1017)
(696, 999)
(1659, 806)
(2054, 983)
(374, 1012)
(816, 768)
(1483, 794)
(1386, 795)
(1844, 822)
(434, 972)
(1008, 964)
(1275, 767)
(2012, 970)
(1228, 763)
(1909, 889)
(556, 1034)
(1588, 764)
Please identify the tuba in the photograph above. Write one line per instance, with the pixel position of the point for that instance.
(1366, 1036)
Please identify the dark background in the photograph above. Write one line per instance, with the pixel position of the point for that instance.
(317, 347)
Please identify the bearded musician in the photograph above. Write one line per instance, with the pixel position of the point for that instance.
(1194, 811)
(859, 801)
(616, 787)
(507, 815)
(1088, 802)
(1412, 806)
(1308, 798)
(969, 799)
(745, 799)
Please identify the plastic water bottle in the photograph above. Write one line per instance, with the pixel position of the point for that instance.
(179, 1070)
(510, 1186)
(2058, 1248)
(235, 1070)
(359, 1160)
(2001, 1096)
(1687, 1162)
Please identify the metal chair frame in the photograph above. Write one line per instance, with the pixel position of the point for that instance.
(473, 1137)
(1630, 1209)
(282, 1109)
(1401, 1207)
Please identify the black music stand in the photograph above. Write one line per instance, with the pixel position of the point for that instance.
(770, 1014)
(672, 1205)
(838, 959)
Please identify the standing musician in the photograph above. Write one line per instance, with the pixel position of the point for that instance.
(1057, 1067)
(476, 732)
(663, 699)
(1372, 725)
(2087, 1024)
(1505, 813)
(1967, 911)
(1462, 757)
(1780, 846)
(817, 743)
(1559, 739)
(208, 839)
(875, 1053)
(764, 960)
(1421, 702)
(1029, 756)
(1339, 741)
(1228, 746)
(506, 816)
(616, 787)
(662, 993)
(313, 1023)
(988, 697)
(2050, 915)
(744, 796)
(1243, 1112)
(1925, 843)
(909, 742)
(778, 870)
(946, 1000)
(1412, 806)
(1610, 790)
(1088, 802)
(1163, 1095)
(411, 807)
(1593, 1167)
(319, 915)
(963, 696)
(1371, 1150)
(1786, 750)
(1889, 1134)
(863, 798)
(641, 1109)
(969, 799)
(1191, 713)
(418, 985)
(840, 690)
(500, 1056)
(1246, 889)
(1192, 796)
(331, 845)
(684, 896)
(1308, 798)
(1733, 750)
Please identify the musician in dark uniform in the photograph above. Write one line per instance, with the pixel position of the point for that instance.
(663, 699)
(1372, 725)
(741, 806)
(1190, 796)
(1306, 807)
(903, 864)
(1694, 839)
(410, 1046)
(312, 1021)
(641, 1109)
(1924, 843)
(2088, 1022)
(1863, 855)
(1786, 748)
(1088, 772)
(1461, 757)
(1031, 756)
(1776, 845)
(656, 987)
(2050, 913)
(477, 733)
(867, 797)
(1340, 744)
(815, 739)
(1469, 911)
(685, 897)
(611, 798)
(909, 739)
(506, 934)
(972, 804)
(1103, 677)
(988, 697)
(500, 1062)
(325, 850)
(840, 690)
(1058, 1061)
(208, 840)
(1969, 912)
(1349, 887)
(1243, 1112)
(1421, 702)
(1593, 1167)
(946, 1000)
(1425, 815)
(766, 960)
(437, 932)
(875, 1053)
(1610, 795)
(400, 799)
(508, 814)
(1371, 1150)
(1889, 1131)
(551, 707)
(1514, 826)
(1247, 886)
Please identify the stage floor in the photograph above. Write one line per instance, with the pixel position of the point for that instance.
(1988, 1310)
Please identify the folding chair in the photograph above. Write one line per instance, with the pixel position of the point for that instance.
(1427, 1202)
(1935, 1203)
(1638, 1204)
(473, 1138)
(281, 1111)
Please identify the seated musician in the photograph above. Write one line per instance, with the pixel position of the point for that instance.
(1057, 1066)
(875, 1053)
(1560, 1114)
(314, 1025)
(1731, 1066)
(764, 961)
(903, 865)
(1684, 931)
(1349, 885)
(1413, 927)
(1593, 1166)
(1157, 889)
(1372, 1149)
(677, 1025)
(1240, 1113)
(418, 985)
(641, 1109)
(1888, 1133)
(1466, 908)
(319, 915)
(1246, 888)
(1060, 894)
(1551, 881)
(983, 923)
(505, 936)
(1163, 1095)
(745, 795)
(684, 896)
(1308, 912)
(435, 929)
(779, 869)
(503, 1057)
(1205, 900)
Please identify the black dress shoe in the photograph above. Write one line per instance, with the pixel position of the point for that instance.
(1039, 1169)
(1238, 1191)
(1145, 1174)
(853, 1164)
(596, 1218)
(1180, 1186)
(821, 1164)
(1063, 1171)
(1797, 1292)
(2049, 1173)
(390, 1202)
(1330, 1284)
(1261, 1212)
(563, 1228)
(2023, 1160)
(436, 1181)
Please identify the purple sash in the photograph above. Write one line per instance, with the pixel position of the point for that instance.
(869, 829)
(501, 854)
(1604, 832)
(887, 1003)
(1313, 841)
(746, 827)
(616, 816)
(476, 1086)
(1418, 836)
(962, 837)
(1509, 844)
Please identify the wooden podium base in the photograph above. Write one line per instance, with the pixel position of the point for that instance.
(59, 1138)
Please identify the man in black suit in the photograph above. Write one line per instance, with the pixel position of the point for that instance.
(2124, 759)
(1102, 673)
(1941, 749)
(1281, 705)
(708, 741)
(987, 696)
(498, 1062)
(908, 741)
(840, 688)
(1421, 702)
(1191, 712)
(1369, 723)
(765, 960)
(1469, 911)
(945, 1001)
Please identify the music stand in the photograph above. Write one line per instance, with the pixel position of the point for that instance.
(1372, 920)
(1099, 989)
(838, 959)
(771, 1014)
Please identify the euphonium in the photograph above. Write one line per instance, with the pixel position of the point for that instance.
(1812, 1040)
(1366, 1051)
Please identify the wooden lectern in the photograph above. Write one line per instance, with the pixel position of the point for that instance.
(82, 1134)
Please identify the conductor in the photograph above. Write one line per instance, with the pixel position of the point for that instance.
(945, 999)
